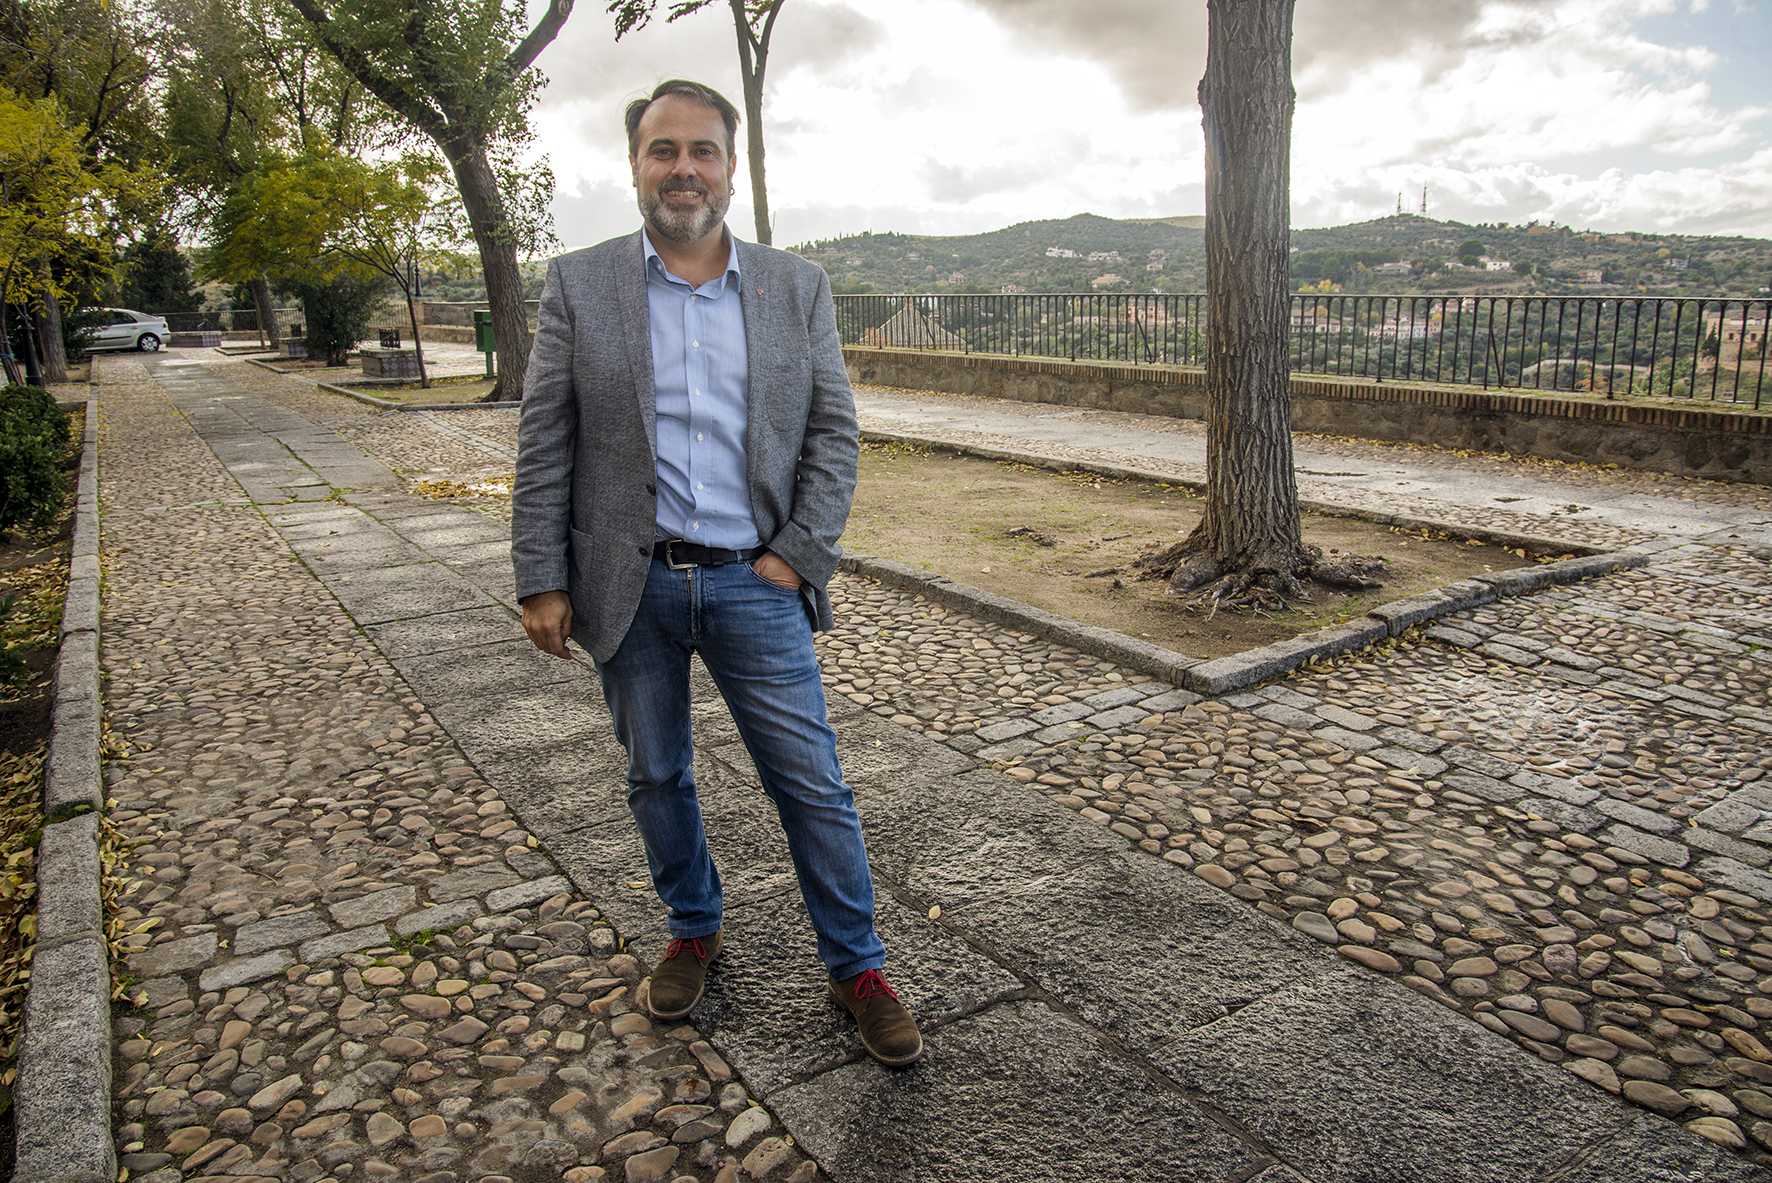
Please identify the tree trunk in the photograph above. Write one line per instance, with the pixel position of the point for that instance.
(55, 352)
(267, 311)
(1251, 525)
(498, 261)
(751, 70)
(418, 348)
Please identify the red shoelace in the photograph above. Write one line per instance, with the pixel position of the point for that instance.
(693, 944)
(871, 984)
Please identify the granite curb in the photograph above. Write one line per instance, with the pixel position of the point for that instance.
(384, 403)
(1535, 542)
(1223, 675)
(62, 1094)
(390, 405)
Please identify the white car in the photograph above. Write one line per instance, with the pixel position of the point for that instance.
(127, 329)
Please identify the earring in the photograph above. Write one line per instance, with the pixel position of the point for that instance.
(731, 191)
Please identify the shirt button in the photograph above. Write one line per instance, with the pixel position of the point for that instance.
(695, 345)
(698, 486)
(698, 437)
(695, 525)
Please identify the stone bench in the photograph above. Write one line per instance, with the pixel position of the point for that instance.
(390, 363)
(295, 347)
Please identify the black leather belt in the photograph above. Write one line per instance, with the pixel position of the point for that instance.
(681, 555)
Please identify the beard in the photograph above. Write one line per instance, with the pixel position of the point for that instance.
(679, 224)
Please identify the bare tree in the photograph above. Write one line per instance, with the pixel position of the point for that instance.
(754, 22)
(1248, 545)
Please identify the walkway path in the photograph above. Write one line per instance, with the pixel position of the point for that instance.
(403, 919)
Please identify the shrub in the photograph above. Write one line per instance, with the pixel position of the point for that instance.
(338, 311)
(33, 442)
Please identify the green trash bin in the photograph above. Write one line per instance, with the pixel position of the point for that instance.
(483, 336)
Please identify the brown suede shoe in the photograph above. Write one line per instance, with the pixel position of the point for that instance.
(888, 1031)
(678, 979)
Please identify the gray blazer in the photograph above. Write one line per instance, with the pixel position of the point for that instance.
(585, 502)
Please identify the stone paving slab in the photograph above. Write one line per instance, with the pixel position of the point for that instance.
(768, 1006)
(380, 594)
(1070, 1109)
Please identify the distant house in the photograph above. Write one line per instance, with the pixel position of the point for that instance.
(1593, 277)
(1060, 252)
(1402, 268)
(1737, 335)
(1495, 264)
(1104, 256)
(1106, 280)
(1012, 289)
(912, 255)
(1159, 253)
(1156, 265)
(853, 261)
(957, 277)
(1677, 264)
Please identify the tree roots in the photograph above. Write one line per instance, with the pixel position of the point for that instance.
(1261, 583)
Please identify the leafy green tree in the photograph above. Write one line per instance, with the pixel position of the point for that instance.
(53, 200)
(754, 23)
(460, 76)
(325, 212)
(90, 56)
(156, 276)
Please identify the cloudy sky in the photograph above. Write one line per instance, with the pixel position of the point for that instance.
(955, 116)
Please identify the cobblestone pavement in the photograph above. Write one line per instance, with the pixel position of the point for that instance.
(1546, 816)
(353, 960)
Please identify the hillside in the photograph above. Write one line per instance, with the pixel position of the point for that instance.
(1167, 254)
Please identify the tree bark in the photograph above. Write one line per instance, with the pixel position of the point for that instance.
(498, 261)
(55, 353)
(753, 62)
(267, 310)
(1251, 524)
(418, 347)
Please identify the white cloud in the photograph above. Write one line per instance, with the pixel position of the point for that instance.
(951, 116)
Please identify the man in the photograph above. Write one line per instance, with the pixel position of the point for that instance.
(685, 465)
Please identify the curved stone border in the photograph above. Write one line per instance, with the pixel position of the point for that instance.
(63, 1091)
(387, 404)
(1225, 674)
(409, 408)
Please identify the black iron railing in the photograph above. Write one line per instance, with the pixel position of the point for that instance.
(1709, 349)
(225, 320)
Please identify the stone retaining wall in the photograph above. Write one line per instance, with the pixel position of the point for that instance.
(1681, 438)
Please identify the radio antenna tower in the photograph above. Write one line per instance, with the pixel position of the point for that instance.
(1424, 201)
(1399, 205)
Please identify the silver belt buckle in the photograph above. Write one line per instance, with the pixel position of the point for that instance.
(672, 563)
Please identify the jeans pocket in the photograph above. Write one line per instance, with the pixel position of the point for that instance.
(752, 568)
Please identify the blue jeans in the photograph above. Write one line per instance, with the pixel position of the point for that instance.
(756, 641)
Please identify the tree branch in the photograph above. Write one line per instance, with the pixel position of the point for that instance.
(522, 57)
(428, 119)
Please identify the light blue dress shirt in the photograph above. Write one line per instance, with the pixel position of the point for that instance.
(700, 386)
